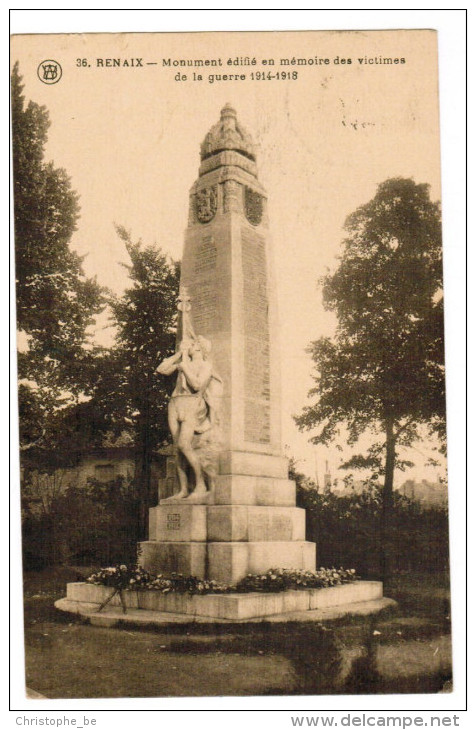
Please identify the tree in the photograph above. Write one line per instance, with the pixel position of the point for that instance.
(383, 370)
(128, 391)
(56, 302)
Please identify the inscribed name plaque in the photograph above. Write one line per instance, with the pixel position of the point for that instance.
(204, 285)
(173, 521)
(178, 523)
(205, 256)
(205, 307)
(256, 331)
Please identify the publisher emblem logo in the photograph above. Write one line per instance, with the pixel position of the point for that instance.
(49, 72)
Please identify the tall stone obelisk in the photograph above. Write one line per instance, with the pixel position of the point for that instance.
(227, 270)
(249, 522)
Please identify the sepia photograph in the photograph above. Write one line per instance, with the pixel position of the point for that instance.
(231, 364)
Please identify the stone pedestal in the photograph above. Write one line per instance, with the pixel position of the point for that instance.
(358, 597)
(187, 558)
(250, 524)
(228, 562)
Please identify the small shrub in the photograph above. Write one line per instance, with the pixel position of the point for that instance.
(93, 523)
(346, 529)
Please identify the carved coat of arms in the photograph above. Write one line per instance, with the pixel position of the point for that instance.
(253, 206)
(206, 201)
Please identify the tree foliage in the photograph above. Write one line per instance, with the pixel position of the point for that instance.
(73, 392)
(383, 370)
(56, 302)
(128, 392)
(145, 319)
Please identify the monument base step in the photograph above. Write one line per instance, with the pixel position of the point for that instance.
(254, 489)
(115, 617)
(243, 478)
(249, 489)
(85, 598)
(225, 523)
(225, 562)
(254, 464)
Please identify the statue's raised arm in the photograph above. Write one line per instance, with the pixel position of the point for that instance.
(170, 364)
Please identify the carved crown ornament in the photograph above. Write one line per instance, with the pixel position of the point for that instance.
(228, 134)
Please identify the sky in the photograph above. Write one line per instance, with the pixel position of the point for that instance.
(129, 139)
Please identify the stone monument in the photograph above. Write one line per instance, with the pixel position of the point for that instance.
(226, 505)
(234, 511)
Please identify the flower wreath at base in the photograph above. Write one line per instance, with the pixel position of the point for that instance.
(134, 578)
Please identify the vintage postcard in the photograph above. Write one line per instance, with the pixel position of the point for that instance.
(231, 364)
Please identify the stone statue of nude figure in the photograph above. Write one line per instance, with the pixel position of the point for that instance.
(193, 408)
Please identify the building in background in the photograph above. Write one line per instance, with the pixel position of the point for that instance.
(430, 494)
(48, 474)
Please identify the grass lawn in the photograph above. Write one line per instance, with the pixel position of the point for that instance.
(403, 650)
